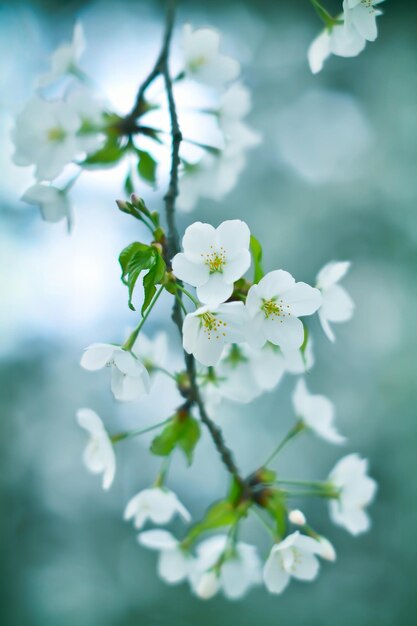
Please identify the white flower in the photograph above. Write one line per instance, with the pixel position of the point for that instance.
(342, 41)
(213, 259)
(45, 136)
(235, 104)
(66, 58)
(174, 563)
(357, 490)
(202, 59)
(158, 505)
(152, 352)
(294, 557)
(99, 457)
(213, 177)
(240, 568)
(208, 329)
(337, 305)
(129, 377)
(90, 110)
(361, 15)
(53, 203)
(317, 413)
(274, 306)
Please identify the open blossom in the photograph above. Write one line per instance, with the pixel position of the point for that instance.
(151, 352)
(294, 557)
(317, 413)
(274, 306)
(213, 259)
(208, 329)
(357, 490)
(174, 563)
(45, 136)
(203, 61)
(129, 377)
(348, 38)
(53, 203)
(65, 59)
(99, 457)
(239, 571)
(159, 505)
(337, 305)
(213, 177)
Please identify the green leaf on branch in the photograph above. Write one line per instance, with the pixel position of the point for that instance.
(220, 514)
(182, 432)
(109, 154)
(278, 511)
(136, 258)
(256, 251)
(147, 167)
(128, 184)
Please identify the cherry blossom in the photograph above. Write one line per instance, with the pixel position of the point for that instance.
(208, 329)
(317, 413)
(53, 203)
(274, 306)
(337, 305)
(295, 557)
(99, 457)
(174, 563)
(213, 259)
(129, 377)
(203, 61)
(65, 59)
(357, 490)
(159, 505)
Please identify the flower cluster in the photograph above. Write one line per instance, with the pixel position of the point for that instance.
(346, 35)
(240, 333)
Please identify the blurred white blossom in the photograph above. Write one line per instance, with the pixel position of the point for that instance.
(174, 563)
(53, 203)
(317, 413)
(65, 59)
(99, 457)
(159, 505)
(337, 305)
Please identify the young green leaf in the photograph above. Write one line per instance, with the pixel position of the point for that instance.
(152, 278)
(110, 153)
(182, 432)
(256, 251)
(147, 167)
(128, 184)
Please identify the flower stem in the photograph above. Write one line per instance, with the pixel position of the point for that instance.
(297, 428)
(138, 431)
(189, 295)
(129, 343)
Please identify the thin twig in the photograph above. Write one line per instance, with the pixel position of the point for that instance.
(161, 68)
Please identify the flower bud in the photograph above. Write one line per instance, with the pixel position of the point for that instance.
(208, 585)
(297, 517)
(327, 550)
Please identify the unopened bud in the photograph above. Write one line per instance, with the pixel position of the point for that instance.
(123, 206)
(207, 586)
(327, 550)
(297, 517)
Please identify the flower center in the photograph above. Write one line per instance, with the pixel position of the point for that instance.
(369, 4)
(56, 134)
(273, 310)
(197, 62)
(215, 260)
(212, 326)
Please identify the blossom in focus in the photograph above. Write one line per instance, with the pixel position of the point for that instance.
(208, 329)
(357, 490)
(213, 259)
(129, 377)
(53, 203)
(174, 563)
(99, 457)
(45, 136)
(337, 305)
(202, 60)
(274, 306)
(65, 59)
(295, 557)
(240, 568)
(317, 413)
(159, 505)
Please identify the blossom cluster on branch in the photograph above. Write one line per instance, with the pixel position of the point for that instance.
(241, 333)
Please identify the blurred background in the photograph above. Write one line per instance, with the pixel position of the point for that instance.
(335, 178)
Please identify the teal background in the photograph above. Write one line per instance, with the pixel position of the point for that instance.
(67, 557)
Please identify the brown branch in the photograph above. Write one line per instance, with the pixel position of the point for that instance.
(161, 68)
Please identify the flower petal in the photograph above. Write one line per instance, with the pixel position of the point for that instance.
(302, 299)
(97, 356)
(233, 235)
(192, 272)
(157, 539)
(287, 332)
(215, 290)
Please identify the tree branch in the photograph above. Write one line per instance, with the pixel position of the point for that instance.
(161, 68)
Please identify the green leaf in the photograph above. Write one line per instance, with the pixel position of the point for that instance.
(183, 431)
(128, 184)
(147, 167)
(278, 511)
(153, 277)
(220, 514)
(110, 153)
(134, 259)
(256, 251)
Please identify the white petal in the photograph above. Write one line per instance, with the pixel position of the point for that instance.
(332, 273)
(197, 240)
(90, 421)
(158, 540)
(319, 51)
(287, 332)
(337, 305)
(363, 18)
(302, 299)
(275, 577)
(233, 235)
(326, 327)
(97, 356)
(215, 290)
(194, 273)
(236, 267)
(173, 566)
(306, 566)
(275, 283)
